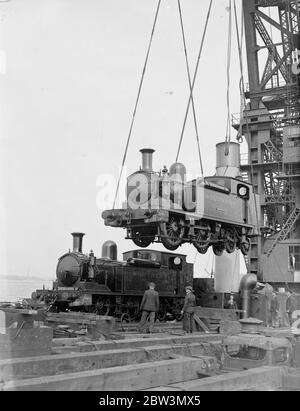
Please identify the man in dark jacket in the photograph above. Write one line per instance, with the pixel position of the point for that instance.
(188, 310)
(149, 306)
(291, 306)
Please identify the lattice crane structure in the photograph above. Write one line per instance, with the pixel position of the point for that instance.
(271, 125)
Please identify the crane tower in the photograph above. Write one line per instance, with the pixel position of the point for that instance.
(271, 126)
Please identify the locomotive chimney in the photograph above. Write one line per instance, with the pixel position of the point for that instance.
(147, 156)
(77, 242)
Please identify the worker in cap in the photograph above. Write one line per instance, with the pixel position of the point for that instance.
(188, 310)
(149, 307)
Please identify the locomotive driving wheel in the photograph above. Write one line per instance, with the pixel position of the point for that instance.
(172, 233)
(142, 239)
(125, 320)
(230, 242)
(201, 240)
(218, 248)
(245, 246)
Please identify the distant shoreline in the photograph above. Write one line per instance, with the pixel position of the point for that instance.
(23, 278)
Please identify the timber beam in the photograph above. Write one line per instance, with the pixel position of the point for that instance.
(126, 378)
(16, 369)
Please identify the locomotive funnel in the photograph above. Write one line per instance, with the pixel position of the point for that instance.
(147, 156)
(77, 242)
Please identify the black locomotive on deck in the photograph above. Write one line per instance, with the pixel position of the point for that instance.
(110, 287)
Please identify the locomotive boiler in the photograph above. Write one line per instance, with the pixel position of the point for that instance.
(111, 287)
(163, 207)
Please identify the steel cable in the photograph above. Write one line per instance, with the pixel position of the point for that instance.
(241, 85)
(194, 80)
(136, 102)
(190, 85)
(228, 125)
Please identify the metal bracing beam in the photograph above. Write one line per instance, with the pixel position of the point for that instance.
(272, 21)
(286, 35)
(269, 43)
(276, 154)
(268, 69)
(286, 229)
(268, 75)
(270, 3)
(294, 20)
(251, 46)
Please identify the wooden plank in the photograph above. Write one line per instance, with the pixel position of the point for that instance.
(79, 321)
(229, 327)
(12, 369)
(138, 342)
(234, 381)
(291, 381)
(126, 378)
(200, 323)
(217, 313)
(22, 342)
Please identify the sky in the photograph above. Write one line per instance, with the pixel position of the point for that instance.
(69, 75)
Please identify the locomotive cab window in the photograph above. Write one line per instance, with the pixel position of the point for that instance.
(221, 184)
(175, 263)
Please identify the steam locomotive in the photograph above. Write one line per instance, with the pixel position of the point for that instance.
(161, 206)
(111, 287)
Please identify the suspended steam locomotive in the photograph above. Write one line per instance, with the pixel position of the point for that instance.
(111, 287)
(161, 206)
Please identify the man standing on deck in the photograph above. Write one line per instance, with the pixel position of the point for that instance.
(188, 310)
(291, 306)
(149, 306)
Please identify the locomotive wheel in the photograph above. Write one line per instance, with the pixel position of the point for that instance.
(201, 241)
(172, 233)
(179, 317)
(245, 246)
(102, 308)
(218, 249)
(230, 242)
(125, 320)
(142, 240)
(161, 317)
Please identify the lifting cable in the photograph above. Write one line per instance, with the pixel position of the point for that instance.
(242, 83)
(190, 85)
(136, 103)
(194, 80)
(228, 123)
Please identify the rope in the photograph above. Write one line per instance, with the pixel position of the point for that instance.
(190, 85)
(18, 330)
(228, 125)
(194, 80)
(241, 85)
(137, 101)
